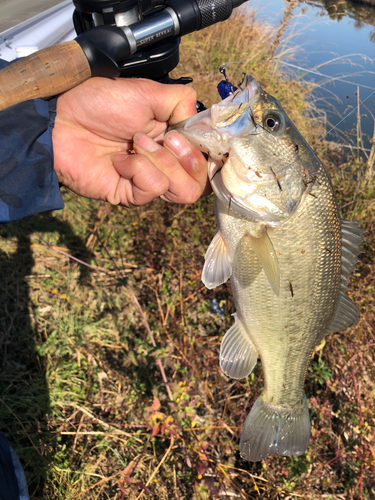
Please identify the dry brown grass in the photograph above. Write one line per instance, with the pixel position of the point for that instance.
(84, 401)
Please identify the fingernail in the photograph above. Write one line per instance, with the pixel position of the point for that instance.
(177, 144)
(145, 142)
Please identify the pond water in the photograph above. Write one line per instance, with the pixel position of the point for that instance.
(336, 38)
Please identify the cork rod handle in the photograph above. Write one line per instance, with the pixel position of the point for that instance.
(46, 73)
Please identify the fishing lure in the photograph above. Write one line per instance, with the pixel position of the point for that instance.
(225, 87)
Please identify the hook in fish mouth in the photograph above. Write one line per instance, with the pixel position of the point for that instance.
(210, 130)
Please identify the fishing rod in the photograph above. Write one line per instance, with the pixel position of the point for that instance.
(116, 38)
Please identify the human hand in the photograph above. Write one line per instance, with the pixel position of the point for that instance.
(100, 122)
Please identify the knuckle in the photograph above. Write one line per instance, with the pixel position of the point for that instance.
(193, 194)
(158, 185)
(190, 94)
(168, 162)
(138, 161)
(165, 161)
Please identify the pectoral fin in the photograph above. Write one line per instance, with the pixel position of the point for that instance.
(264, 250)
(217, 267)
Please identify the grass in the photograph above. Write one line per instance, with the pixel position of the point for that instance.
(110, 384)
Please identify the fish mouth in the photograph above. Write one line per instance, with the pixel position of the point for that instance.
(250, 86)
(210, 130)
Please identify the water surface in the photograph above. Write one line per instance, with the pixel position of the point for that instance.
(337, 39)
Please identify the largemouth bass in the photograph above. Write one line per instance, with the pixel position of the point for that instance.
(288, 255)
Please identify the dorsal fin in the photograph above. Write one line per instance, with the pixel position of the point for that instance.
(347, 314)
(351, 239)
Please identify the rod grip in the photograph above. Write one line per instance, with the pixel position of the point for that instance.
(46, 73)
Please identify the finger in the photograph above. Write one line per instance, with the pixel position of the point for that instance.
(192, 160)
(103, 106)
(183, 188)
(140, 180)
(169, 103)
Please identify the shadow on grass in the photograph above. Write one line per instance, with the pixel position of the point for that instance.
(25, 403)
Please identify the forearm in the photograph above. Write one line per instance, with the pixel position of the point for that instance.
(28, 182)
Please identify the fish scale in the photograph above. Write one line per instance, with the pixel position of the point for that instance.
(288, 255)
(301, 314)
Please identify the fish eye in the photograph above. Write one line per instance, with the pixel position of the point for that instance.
(272, 122)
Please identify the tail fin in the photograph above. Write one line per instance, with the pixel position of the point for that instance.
(269, 430)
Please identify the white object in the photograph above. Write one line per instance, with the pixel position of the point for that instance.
(50, 27)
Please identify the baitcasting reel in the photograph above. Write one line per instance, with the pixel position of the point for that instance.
(128, 38)
(140, 38)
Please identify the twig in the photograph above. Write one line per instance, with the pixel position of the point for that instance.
(245, 471)
(55, 249)
(359, 483)
(358, 126)
(93, 433)
(358, 400)
(175, 482)
(83, 472)
(158, 360)
(101, 422)
(99, 483)
(78, 431)
(347, 204)
(210, 427)
(157, 468)
(232, 483)
(191, 296)
(288, 13)
(181, 301)
(159, 303)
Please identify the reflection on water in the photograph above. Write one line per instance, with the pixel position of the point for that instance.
(335, 41)
(362, 14)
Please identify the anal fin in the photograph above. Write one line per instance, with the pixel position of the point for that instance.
(217, 267)
(346, 314)
(238, 356)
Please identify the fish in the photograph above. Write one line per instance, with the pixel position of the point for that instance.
(288, 254)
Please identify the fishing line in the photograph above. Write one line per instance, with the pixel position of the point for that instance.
(350, 112)
(348, 146)
(306, 70)
(333, 79)
(318, 73)
(330, 78)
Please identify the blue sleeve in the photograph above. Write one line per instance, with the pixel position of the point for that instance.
(28, 181)
(12, 478)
